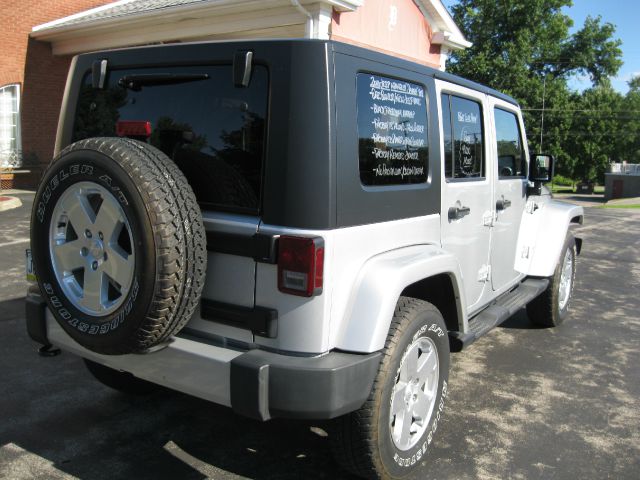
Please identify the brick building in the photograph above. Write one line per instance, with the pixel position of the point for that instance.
(30, 83)
(39, 39)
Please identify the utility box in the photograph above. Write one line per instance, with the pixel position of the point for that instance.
(621, 184)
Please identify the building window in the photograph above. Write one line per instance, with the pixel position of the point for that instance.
(10, 143)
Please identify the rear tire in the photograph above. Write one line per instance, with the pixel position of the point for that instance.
(122, 381)
(390, 434)
(551, 308)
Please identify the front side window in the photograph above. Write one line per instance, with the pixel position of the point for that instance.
(511, 157)
(10, 148)
(213, 130)
(392, 131)
(463, 138)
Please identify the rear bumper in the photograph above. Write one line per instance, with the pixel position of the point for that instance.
(255, 383)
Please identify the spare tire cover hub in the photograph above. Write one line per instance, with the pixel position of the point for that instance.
(90, 246)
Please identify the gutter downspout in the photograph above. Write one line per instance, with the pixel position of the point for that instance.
(301, 9)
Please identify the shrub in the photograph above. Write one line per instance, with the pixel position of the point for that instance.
(561, 180)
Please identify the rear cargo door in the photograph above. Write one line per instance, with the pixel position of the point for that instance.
(215, 132)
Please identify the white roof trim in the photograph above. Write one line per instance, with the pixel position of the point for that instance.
(340, 5)
(79, 15)
(205, 19)
(445, 30)
(447, 39)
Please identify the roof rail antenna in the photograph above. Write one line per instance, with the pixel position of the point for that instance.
(242, 68)
(99, 73)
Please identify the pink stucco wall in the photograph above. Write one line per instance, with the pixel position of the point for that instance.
(391, 26)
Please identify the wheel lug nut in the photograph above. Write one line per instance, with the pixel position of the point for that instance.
(100, 236)
(94, 265)
(84, 252)
(87, 233)
(105, 256)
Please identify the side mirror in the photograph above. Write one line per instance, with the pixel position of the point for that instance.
(540, 171)
(541, 168)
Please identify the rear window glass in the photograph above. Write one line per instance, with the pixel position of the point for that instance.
(214, 131)
(392, 131)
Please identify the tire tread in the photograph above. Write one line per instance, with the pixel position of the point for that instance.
(178, 235)
(355, 435)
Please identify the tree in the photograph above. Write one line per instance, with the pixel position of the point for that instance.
(630, 145)
(523, 48)
(596, 135)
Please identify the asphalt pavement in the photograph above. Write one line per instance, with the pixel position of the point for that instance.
(525, 402)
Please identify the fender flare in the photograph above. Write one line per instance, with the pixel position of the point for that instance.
(377, 289)
(542, 234)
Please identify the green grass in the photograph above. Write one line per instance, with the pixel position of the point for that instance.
(561, 189)
(568, 189)
(633, 205)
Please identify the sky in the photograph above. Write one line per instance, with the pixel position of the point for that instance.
(624, 14)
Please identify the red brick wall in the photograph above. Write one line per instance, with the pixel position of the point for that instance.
(31, 64)
(44, 80)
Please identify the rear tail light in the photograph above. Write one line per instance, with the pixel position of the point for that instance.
(300, 265)
(133, 128)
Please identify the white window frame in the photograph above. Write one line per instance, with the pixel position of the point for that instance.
(17, 162)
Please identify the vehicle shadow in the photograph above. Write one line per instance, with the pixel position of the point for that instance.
(521, 321)
(58, 420)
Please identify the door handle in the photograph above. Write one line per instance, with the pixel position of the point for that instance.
(456, 213)
(503, 204)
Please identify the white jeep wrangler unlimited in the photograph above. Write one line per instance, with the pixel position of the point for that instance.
(299, 229)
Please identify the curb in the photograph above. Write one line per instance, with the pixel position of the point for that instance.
(7, 203)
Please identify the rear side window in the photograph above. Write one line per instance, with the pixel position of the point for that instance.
(511, 158)
(463, 138)
(214, 131)
(392, 131)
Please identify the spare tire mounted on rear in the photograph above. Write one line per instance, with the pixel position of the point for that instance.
(118, 245)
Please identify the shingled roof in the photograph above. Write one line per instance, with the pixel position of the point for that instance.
(123, 8)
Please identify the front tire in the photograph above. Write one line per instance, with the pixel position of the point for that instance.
(551, 308)
(390, 434)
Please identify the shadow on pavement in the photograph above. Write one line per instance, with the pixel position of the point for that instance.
(58, 420)
(520, 321)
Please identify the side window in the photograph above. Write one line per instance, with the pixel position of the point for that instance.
(392, 131)
(511, 158)
(463, 138)
(447, 136)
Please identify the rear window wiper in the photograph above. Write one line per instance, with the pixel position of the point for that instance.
(136, 82)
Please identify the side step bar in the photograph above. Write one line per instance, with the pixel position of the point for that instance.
(503, 308)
